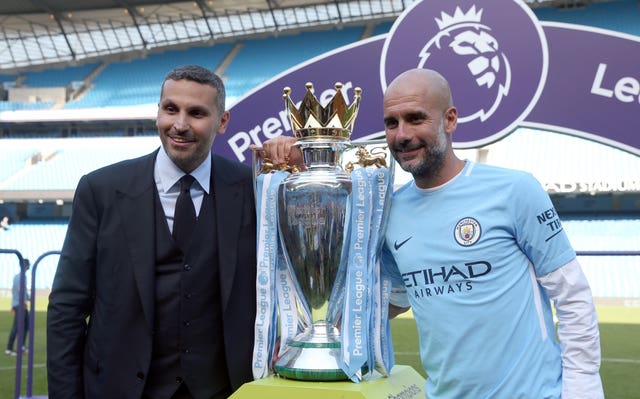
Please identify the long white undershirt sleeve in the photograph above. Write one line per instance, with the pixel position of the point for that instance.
(569, 290)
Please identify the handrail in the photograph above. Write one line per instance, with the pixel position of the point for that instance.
(20, 316)
(32, 321)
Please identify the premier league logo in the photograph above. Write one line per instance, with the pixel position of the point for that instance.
(495, 80)
(468, 45)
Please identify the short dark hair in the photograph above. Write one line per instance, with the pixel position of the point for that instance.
(201, 75)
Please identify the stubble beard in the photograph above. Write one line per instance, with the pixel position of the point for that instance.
(187, 159)
(432, 160)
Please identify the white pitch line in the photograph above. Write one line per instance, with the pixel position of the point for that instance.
(614, 360)
(604, 359)
(24, 366)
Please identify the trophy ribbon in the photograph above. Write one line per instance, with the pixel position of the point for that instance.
(287, 303)
(381, 354)
(267, 253)
(336, 299)
(355, 317)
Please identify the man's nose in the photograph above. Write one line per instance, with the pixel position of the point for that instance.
(181, 123)
(403, 132)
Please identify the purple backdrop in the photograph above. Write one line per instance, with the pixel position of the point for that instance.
(506, 69)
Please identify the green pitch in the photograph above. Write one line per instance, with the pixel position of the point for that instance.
(619, 331)
(619, 340)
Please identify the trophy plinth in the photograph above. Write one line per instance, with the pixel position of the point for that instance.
(403, 382)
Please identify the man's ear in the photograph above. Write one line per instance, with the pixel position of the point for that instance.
(224, 122)
(451, 119)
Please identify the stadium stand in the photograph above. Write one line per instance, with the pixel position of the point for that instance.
(21, 105)
(58, 77)
(32, 239)
(248, 62)
(621, 16)
(136, 82)
(261, 59)
(609, 276)
(381, 28)
(13, 160)
(58, 164)
(526, 149)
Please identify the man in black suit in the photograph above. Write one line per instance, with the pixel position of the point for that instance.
(135, 312)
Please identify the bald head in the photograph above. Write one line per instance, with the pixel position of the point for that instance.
(426, 83)
(419, 120)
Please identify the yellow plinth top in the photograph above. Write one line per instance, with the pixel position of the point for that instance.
(403, 383)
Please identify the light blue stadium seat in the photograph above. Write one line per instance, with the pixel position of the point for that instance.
(609, 276)
(138, 82)
(261, 59)
(620, 16)
(13, 161)
(19, 105)
(381, 28)
(58, 77)
(76, 157)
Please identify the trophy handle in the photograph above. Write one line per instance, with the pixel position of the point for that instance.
(262, 164)
(371, 152)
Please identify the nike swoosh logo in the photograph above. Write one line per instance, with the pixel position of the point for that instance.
(397, 244)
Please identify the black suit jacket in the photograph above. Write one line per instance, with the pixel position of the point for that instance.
(106, 274)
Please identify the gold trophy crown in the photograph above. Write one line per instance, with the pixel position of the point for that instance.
(312, 120)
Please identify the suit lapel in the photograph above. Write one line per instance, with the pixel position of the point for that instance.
(229, 200)
(136, 198)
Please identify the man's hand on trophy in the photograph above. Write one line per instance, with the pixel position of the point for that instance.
(280, 151)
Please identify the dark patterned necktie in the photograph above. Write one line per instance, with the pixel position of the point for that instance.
(184, 219)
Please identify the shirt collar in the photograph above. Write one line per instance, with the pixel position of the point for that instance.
(168, 174)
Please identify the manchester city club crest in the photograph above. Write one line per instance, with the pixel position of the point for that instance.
(467, 231)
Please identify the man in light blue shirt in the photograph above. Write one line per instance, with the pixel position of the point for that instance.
(478, 253)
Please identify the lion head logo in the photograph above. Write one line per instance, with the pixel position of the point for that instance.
(464, 42)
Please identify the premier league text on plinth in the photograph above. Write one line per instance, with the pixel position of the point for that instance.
(320, 229)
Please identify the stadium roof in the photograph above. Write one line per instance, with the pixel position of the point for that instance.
(42, 32)
(38, 33)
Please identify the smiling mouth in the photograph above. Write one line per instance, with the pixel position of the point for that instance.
(406, 150)
(180, 139)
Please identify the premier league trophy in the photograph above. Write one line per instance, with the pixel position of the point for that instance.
(313, 208)
(319, 290)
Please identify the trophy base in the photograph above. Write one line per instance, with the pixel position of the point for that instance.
(403, 382)
(313, 356)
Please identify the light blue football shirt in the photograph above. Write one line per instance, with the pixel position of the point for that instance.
(468, 254)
